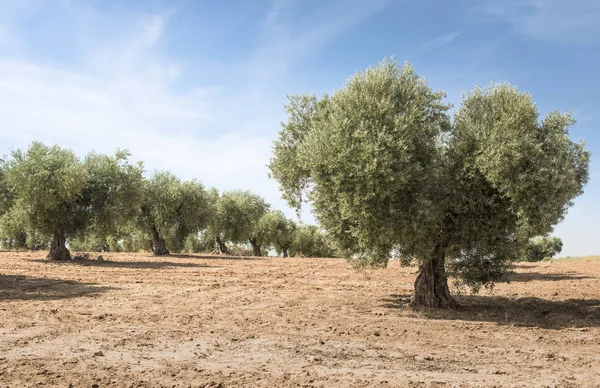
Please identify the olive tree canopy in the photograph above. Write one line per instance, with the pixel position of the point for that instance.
(390, 174)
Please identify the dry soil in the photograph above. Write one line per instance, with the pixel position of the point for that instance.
(139, 321)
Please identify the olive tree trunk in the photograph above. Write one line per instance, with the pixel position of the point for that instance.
(159, 247)
(255, 247)
(431, 285)
(58, 248)
(105, 247)
(220, 246)
(285, 252)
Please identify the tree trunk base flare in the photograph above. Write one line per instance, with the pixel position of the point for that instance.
(58, 248)
(220, 246)
(285, 253)
(159, 247)
(431, 285)
(255, 247)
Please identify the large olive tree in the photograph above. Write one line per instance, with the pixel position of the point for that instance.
(390, 174)
(47, 185)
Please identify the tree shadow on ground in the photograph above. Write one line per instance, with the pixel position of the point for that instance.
(531, 276)
(19, 287)
(125, 264)
(214, 257)
(527, 312)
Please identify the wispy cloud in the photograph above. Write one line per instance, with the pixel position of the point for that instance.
(564, 21)
(438, 41)
(121, 90)
(290, 42)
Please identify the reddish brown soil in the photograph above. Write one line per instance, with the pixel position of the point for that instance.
(182, 321)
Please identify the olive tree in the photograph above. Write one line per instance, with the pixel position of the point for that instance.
(112, 193)
(218, 221)
(310, 241)
(12, 226)
(390, 174)
(274, 229)
(47, 184)
(171, 210)
(541, 247)
(234, 218)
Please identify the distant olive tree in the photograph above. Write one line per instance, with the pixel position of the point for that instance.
(171, 210)
(541, 247)
(234, 218)
(310, 241)
(275, 230)
(390, 174)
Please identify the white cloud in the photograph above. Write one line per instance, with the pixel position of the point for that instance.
(123, 97)
(565, 21)
(438, 41)
(290, 41)
(123, 92)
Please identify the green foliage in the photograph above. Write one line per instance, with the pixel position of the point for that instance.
(542, 247)
(112, 194)
(134, 240)
(389, 174)
(274, 229)
(47, 184)
(310, 241)
(92, 243)
(6, 195)
(236, 214)
(172, 209)
(241, 250)
(199, 243)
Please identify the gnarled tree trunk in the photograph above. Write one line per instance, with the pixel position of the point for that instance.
(105, 247)
(431, 285)
(58, 248)
(220, 246)
(285, 252)
(159, 247)
(255, 247)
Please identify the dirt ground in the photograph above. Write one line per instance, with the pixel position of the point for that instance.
(201, 321)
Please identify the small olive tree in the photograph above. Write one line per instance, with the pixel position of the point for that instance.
(389, 174)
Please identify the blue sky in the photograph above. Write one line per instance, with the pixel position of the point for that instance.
(198, 87)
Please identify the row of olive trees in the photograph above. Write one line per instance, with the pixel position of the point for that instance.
(50, 198)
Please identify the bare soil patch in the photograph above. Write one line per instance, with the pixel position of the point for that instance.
(140, 321)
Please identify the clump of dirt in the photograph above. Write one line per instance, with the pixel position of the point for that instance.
(133, 320)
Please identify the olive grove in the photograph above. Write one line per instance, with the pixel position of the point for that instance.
(51, 199)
